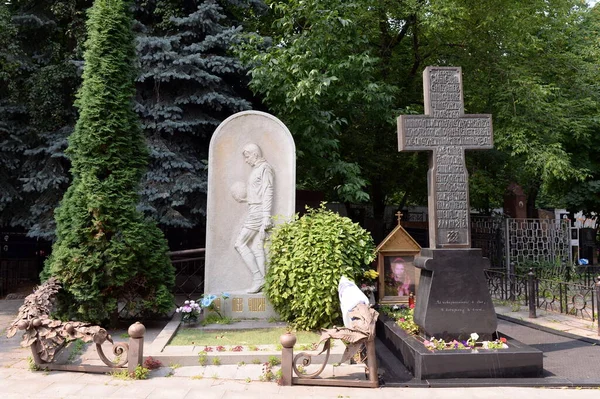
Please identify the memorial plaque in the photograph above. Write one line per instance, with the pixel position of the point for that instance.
(458, 301)
(446, 131)
(237, 305)
(257, 304)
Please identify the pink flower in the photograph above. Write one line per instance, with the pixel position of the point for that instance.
(428, 344)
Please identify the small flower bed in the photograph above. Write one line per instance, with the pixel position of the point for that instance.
(404, 318)
(368, 281)
(471, 343)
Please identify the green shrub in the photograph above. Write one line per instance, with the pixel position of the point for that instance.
(308, 255)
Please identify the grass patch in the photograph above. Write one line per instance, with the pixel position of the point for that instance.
(213, 318)
(77, 348)
(260, 336)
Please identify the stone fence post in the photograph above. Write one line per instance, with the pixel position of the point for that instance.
(532, 297)
(287, 357)
(135, 356)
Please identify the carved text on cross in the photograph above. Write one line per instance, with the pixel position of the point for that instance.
(447, 132)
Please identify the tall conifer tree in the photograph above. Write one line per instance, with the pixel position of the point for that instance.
(105, 252)
(36, 116)
(189, 83)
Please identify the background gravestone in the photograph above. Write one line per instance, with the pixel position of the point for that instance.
(228, 173)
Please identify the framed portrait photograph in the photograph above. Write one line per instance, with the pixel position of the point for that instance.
(398, 277)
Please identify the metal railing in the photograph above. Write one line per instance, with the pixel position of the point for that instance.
(189, 272)
(13, 272)
(571, 298)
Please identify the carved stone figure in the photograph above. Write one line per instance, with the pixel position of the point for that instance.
(258, 193)
(243, 199)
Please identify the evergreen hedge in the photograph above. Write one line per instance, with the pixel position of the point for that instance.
(106, 252)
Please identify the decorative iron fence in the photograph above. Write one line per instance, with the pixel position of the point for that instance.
(13, 272)
(538, 241)
(556, 296)
(189, 272)
(8, 277)
(489, 234)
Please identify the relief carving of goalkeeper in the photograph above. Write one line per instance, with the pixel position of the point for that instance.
(258, 193)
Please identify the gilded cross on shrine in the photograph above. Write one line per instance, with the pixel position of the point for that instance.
(399, 216)
(446, 132)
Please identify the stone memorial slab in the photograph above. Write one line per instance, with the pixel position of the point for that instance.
(251, 186)
(447, 132)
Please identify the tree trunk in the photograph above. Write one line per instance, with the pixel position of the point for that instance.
(532, 194)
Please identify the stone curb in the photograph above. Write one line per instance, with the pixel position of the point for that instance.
(548, 329)
(190, 355)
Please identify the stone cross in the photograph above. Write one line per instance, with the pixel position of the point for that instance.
(447, 132)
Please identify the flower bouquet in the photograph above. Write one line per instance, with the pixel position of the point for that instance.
(190, 311)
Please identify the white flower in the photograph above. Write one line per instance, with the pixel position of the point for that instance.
(474, 336)
(177, 310)
(187, 302)
(504, 346)
(485, 344)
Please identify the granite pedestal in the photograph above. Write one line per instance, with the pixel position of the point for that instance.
(517, 361)
(453, 300)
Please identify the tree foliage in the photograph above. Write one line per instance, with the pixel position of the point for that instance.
(189, 82)
(315, 78)
(38, 80)
(340, 72)
(105, 250)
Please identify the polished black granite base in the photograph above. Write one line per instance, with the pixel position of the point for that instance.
(517, 361)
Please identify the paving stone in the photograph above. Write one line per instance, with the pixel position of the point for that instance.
(132, 391)
(168, 393)
(220, 372)
(58, 390)
(205, 393)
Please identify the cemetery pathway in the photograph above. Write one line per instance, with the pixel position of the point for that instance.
(566, 358)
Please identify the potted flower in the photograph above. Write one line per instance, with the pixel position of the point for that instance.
(190, 311)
